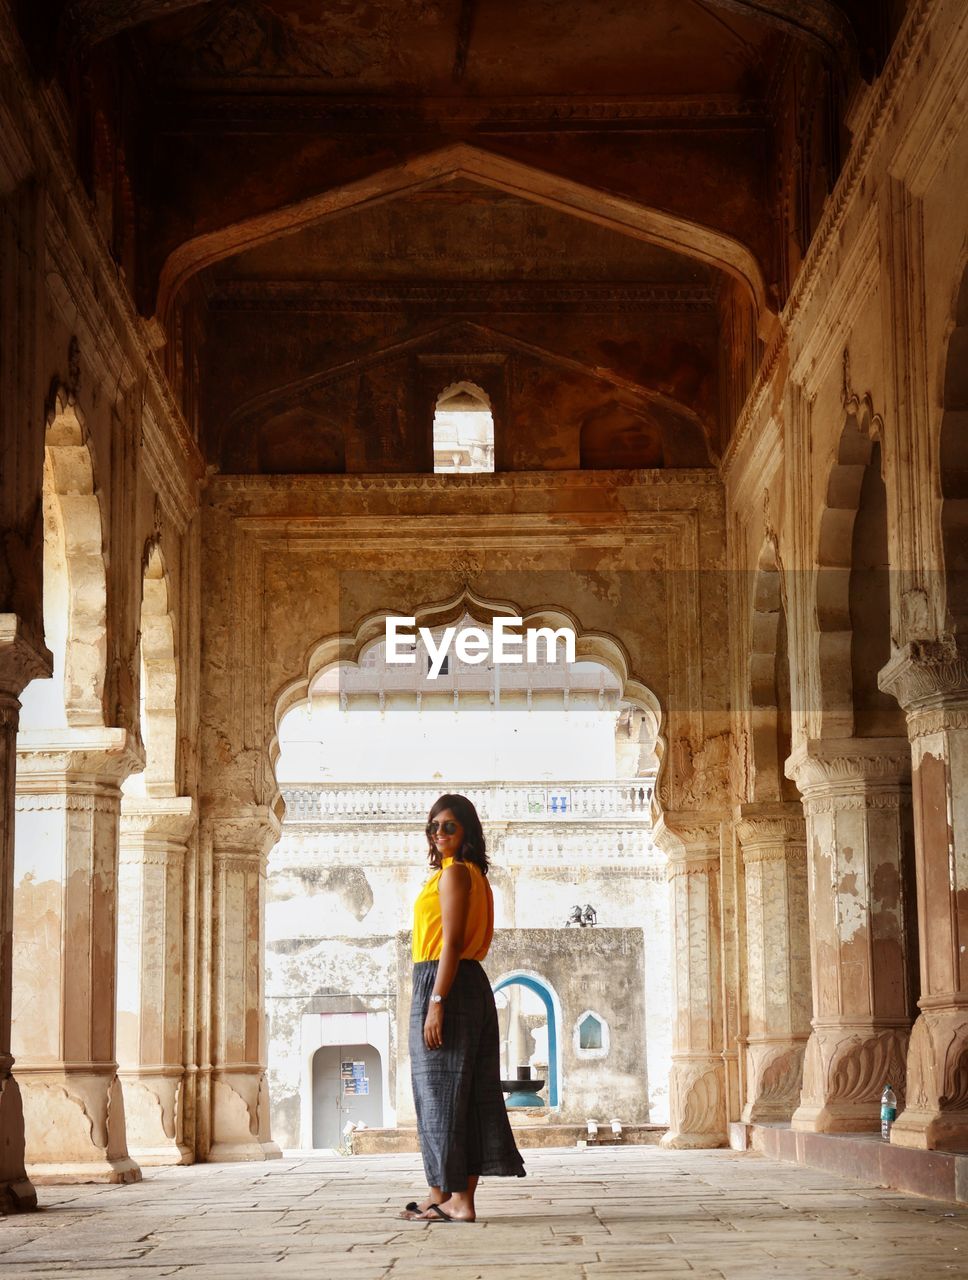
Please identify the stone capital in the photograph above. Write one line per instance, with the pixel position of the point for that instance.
(249, 832)
(760, 826)
(849, 766)
(689, 838)
(171, 819)
(22, 657)
(928, 674)
(54, 759)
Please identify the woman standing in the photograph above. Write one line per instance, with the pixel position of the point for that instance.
(462, 1120)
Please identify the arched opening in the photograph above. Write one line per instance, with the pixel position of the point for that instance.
(954, 467)
(347, 1088)
(551, 1005)
(591, 1036)
(75, 591)
(463, 430)
(158, 686)
(769, 680)
(853, 591)
(364, 747)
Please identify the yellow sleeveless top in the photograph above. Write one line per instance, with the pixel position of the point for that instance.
(428, 932)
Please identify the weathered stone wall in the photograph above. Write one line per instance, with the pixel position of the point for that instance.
(594, 969)
(333, 938)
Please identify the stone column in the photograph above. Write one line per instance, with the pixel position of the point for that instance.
(930, 681)
(20, 662)
(856, 797)
(240, 1093)
(773, 841)
(65, 936)
(151, 975)
(697, 1080)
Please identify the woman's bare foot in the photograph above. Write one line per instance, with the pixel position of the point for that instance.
(460, 1208)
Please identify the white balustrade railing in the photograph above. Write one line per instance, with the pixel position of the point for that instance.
(497, 802)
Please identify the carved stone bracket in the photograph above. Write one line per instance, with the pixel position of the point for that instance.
(50, 760)
(688, 837)
(929, 678)
(765, 831)
(251, 832)
(22, 657)
(163, 819)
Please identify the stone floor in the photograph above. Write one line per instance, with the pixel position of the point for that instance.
(627, 1211)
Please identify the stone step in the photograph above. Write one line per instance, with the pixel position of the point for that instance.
(372, 1142)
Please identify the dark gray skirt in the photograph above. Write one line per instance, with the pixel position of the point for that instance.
(462, 1119)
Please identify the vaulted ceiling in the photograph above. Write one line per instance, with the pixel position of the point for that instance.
(594, 207)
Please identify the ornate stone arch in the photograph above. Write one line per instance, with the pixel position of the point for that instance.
(460, 159)
(159, 683)
(858, 451)
(769, 681)
(75, 582)
(350, 647)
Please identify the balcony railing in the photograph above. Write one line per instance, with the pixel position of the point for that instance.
(495, 802)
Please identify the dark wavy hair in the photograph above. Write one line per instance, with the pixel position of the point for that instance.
(473, 849)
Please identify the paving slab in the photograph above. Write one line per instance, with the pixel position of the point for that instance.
(580, 1215)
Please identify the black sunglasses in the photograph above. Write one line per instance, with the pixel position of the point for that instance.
(449, 827)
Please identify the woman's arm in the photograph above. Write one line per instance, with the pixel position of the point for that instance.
(454, 888)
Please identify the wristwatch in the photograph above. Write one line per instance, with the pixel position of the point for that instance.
(436, 999)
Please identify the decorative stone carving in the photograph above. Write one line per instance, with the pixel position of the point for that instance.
(704, 772)
(928, 675)
(857, 803)
(845, 1071)
(698, 1103)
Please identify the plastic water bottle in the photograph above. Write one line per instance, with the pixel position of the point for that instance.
(888, 1111)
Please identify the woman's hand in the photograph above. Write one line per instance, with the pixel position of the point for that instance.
(434, 1026)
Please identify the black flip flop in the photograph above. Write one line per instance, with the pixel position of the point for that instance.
(412, 1207)
(445, 1217)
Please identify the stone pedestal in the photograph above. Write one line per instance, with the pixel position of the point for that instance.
(150, 1021)
(856, 797)
(65, 934)
(773, 841)
(240, 1093)
(930, 681)
(20, 662)
(697, 1082)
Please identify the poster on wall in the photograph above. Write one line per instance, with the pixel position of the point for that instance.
(354, 1078)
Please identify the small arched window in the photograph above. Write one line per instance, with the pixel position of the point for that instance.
(463, 430)
(590, 1036)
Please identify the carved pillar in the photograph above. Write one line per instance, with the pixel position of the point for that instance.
(240, 1093)
(856, 797)
(65, 938)
(151, 964)
(773, 840)
(20, 662)
(930, 681)
(697, 1080)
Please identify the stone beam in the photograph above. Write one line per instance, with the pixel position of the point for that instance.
(818, 22)
(85, 23)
